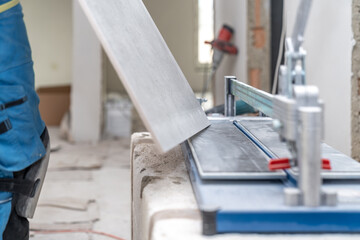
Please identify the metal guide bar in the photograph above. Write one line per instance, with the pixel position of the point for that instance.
(255, 140)
(256, 98)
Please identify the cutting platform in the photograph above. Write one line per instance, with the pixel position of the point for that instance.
(215, 149)
(257, 205)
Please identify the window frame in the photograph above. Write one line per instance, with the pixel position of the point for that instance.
(198, 65)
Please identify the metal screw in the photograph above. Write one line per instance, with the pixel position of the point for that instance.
(202, 100)
(277, 125)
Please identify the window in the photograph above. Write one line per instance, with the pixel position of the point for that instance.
(205, 31)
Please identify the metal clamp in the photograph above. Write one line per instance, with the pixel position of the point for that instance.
(230, 105)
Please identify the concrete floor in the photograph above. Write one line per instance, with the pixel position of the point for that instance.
(108, 185)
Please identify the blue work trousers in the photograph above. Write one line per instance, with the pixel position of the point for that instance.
(20, 145)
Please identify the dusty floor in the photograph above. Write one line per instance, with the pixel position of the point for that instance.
(87, 188)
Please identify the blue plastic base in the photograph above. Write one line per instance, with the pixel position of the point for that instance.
(289, 222)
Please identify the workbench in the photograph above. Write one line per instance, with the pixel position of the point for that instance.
(163, 202)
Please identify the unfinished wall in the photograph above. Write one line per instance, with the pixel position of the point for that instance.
(355, 84)
(258, 44)
(49, 25)
(329, 43)
(234, 13)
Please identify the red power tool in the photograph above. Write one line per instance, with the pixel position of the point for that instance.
(220, 46)
(222, 43)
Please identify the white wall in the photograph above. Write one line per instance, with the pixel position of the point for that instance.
(234, 13)
(49, 25)
(87, 88)
(328, 42)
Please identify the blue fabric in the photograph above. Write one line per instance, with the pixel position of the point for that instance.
(21, 146)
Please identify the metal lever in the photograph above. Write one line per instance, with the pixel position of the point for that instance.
(300, 24)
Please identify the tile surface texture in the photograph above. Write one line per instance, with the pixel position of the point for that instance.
(148, 70)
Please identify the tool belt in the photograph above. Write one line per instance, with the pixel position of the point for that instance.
(6, 6)
(32, 177)
(26, 184)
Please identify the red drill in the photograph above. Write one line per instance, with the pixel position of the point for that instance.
(222, 43)
(220, 46)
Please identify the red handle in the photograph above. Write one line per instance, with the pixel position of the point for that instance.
(281, 163)
(223, 46)
(326, 164)
(284, 163)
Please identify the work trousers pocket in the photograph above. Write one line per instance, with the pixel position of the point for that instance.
(20, 143)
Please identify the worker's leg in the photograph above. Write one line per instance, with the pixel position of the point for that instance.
(20, 123)
(5, 206)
